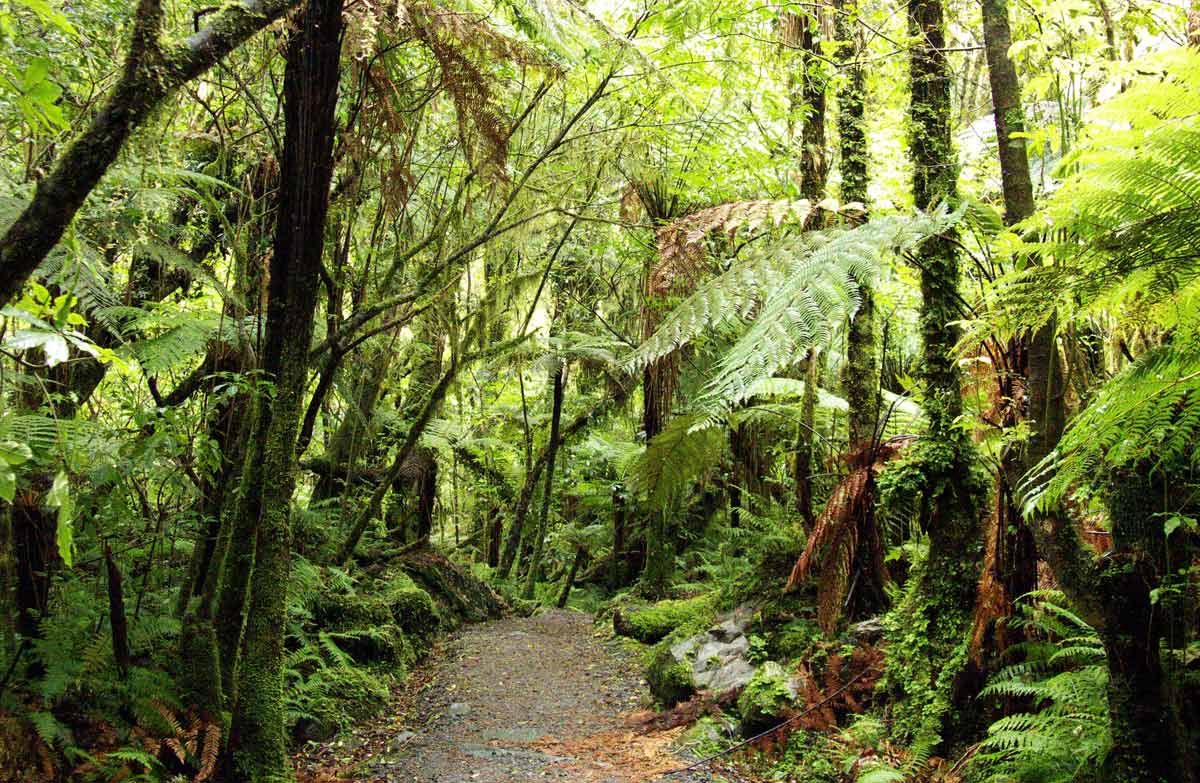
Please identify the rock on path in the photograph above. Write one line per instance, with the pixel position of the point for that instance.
(514, 700)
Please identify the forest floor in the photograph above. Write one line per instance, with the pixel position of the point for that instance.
(509, 701)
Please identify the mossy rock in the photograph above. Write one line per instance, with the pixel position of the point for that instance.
(339, 698)
(767, 699)
(413, 610)
(384, 644)
(707, 736)
(670, 680)
(458, 595)
(337, 611)
(653, 623)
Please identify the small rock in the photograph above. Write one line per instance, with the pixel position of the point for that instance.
(400, 740)
(460, 708)
(868, 631)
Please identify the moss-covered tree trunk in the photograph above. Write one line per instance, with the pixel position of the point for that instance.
(860, 376)
(1149, 743)
(539, 533)
(937, 608)
(257, 749)
(415, 492)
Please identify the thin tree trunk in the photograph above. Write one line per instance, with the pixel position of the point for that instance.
(539, 536)
(576, 564)
(257, 748)
(512, 541)
(814, 158)
(116, 613)
(805, 441)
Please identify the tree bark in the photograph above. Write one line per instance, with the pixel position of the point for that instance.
(116, 613)
(153, 71)
(805, 440)
(539, 535)
(814, 158)
(944, 589)
(257, 748)
(576, 563)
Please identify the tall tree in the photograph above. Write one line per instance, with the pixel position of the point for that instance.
(1010, 565)
(939, 600)
(257, 748)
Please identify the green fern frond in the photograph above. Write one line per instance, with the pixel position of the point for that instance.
(674, 459)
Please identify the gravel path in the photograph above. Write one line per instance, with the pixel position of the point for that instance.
(514, 700)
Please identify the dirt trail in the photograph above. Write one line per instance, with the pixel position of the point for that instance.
(515, 700)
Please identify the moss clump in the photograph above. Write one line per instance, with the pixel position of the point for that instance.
(707, 736)
(766, 699)
(650, 624)
(413, 610)
(670, 680)
(338, 611)
(337, 698)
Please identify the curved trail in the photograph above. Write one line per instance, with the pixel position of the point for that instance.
(514, 700)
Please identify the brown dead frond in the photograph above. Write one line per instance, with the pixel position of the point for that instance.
(845, 537)
(195, 747)
(462, 44)
(681, 242)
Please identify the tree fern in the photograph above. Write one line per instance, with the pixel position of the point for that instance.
(1121, 240)
(780, 300)
(674, 459)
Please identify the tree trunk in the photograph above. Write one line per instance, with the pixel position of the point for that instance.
(539, 536)
(416, 489)
(576, 563)
(814, 158)
(805, 440)
(35, 553)
(944, 590)
(257, 748)
(116, 613)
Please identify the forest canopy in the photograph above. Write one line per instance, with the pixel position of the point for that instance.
(837, 361)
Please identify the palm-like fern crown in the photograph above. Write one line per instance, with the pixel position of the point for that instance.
(781, 298)
(1121, 240)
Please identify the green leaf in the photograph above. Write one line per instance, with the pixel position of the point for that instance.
(14, 453)
(8, 483)
(59, 497)
(35, 73)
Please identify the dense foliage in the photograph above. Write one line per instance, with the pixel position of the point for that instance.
(873, 326)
